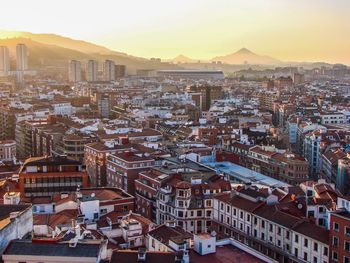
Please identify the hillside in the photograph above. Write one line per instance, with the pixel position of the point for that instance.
(42, 54)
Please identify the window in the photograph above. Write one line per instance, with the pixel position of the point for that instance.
(305, 242)
(234, 211)
(315, 247)
(241, 215)
(305, 256)
(336, 226)
(335, 241)
(287, 235)
(335, 256)
(271, 227)
(325, 251)
(262, 236)
(296, 239)
(347, 246)
(346, 260)
(296, 252)
(347, 231)
(315, 259)
(279, 231)
(263, 224)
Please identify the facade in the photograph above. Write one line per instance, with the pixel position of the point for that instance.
(103, 105)
(46, 176)
(328, 118)
(7, 150)
(21, 57)
(343, 176)
(255, 219)
(4, 61)
(123, 168)
(340, 232)
(189, 202)
(62, 109)
(92, 71)
(120, 71)
(74, 71)
(16, 221)
(109, 70)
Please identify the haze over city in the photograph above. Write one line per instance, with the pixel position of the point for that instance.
(185, 131)
(315, 30)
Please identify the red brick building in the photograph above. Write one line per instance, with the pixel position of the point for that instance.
(340, 232)
(124, 168)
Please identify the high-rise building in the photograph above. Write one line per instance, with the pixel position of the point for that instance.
(22, 57)
(4, 60)
(74, 71)
(109, 70)
(120, 71)
(91, 71)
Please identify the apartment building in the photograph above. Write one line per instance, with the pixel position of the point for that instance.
(123, 169)
(278, 230)
(45, 176)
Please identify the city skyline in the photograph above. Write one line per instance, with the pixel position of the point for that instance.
(286, 30)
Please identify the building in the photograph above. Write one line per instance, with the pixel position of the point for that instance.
(275, 227)
(109, 70)
(103, 105)
(62, 109)
(51, 252)
(92, 71)
(124, 167)
(120, 71)
(191, 74)
(332, 118)
(7, 150)
(339, 232)
(343, 176)
(16, 221)
(4, 61)
(74, 71)
(21, 57)
(46, 176)
(170, 238)
(7, 123)
(186, 197)
(208, 94)
(95, 159)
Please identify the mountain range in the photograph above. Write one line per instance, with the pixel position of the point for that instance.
(54, 51)
(50, 50)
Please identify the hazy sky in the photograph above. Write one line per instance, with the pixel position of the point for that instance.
(286, 29)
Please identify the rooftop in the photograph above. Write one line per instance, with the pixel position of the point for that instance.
(29, 248)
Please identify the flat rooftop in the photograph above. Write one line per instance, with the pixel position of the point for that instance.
(225, 254)
(245, 175)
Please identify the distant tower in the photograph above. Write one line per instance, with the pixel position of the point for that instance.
(22, 57)
(4, 61)
(91, 71)
(109, 70)
(74, 71)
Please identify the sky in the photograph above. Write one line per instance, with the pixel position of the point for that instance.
(290, 30)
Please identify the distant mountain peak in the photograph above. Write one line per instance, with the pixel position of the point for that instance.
(246, 56)
(244, 50)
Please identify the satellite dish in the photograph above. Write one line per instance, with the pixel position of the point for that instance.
(300, 206)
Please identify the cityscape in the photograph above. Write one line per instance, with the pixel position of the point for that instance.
(221, 135)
